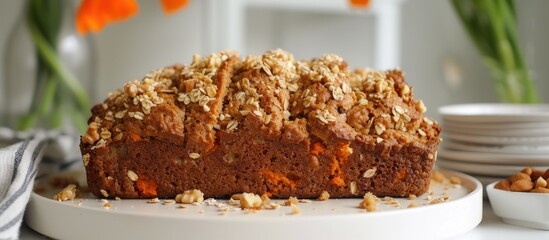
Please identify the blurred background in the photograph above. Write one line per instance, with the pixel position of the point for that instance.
(422, 37)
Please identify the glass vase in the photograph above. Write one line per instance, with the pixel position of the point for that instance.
(49, 69)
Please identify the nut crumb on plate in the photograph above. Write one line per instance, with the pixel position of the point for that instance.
(68, 193)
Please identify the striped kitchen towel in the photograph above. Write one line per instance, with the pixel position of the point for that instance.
(23, 157)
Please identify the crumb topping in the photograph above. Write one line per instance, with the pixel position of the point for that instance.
(223, 92)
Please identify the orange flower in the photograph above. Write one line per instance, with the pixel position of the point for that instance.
(94, 15)
(359, 3)
(171, 6)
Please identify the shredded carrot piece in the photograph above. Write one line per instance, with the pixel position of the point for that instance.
(318, 148)
(146, 187)
(401, 174)
(93, 15)
(359, 3)
(278, 180)
(135, 137)
(171, 6)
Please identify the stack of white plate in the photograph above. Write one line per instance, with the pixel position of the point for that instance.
(494, 141)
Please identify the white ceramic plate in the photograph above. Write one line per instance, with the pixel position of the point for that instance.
(491, 170)
(501, 149)
(85, 218)
(523, 209)
(496, 112)
(494, 158)
(497, 140)
(531, 132)
(496, 126)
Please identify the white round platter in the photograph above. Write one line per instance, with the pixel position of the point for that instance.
(491, 170)
(496, 126)
(502, 132)
(496, 112)
(495, 158)
(85, 218)
(502, 149)
(497, 140)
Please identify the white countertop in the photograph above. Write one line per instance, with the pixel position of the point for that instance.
(491, 227)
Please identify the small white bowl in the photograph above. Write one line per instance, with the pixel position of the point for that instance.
(529, 210)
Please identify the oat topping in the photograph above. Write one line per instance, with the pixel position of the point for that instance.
(369, 173)
(104, 193)
(132, 175)
(86, 159)
(194, 155)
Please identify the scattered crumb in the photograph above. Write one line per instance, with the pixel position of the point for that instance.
(183, 206)
(412, 196)
(250, 201)
(154, 200)
(68, 193)
(438, 177)
(295, 210)
(168, 201)
(190, 196)
(369, 202)
(455, 180)
(305, 201)
(290, 201)
(104, 193)
(107, 205)
(201, 211)
(412, 205)
(117, 199)
(324, 196)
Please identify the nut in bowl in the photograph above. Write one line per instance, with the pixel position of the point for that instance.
(522, 199)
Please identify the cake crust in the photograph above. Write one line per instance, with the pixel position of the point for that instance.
(262, 124)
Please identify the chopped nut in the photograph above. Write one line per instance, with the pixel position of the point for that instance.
(369, 202)
(190, 196)
(520, 176)
(250, 201)
(68, 193)
(324, 195)
(369, 173)
(91, 135)
(132, 175)
(107, 205)
(541, 183)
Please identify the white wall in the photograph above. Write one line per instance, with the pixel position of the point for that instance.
(432, 42)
